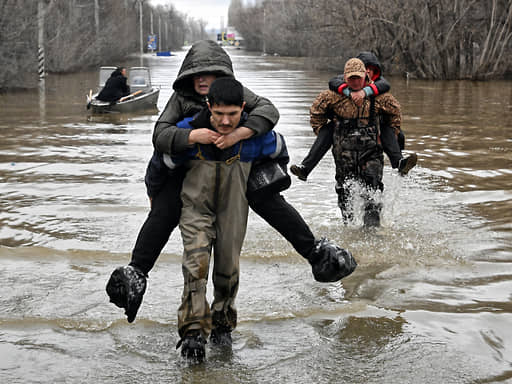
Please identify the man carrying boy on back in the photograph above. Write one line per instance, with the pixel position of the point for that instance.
(214, 216)
(356, 149)
(392, 140)
(204, 62)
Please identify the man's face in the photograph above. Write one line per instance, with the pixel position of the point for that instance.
(355, 83)
(202, 83)
(225, 118)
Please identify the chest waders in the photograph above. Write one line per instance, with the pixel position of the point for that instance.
(358, 155)
(213, 218)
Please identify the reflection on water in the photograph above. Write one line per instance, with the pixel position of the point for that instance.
(429, 302)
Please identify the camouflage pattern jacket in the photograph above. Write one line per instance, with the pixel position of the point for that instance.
(330, 105)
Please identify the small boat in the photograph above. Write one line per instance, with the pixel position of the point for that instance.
(143, 97)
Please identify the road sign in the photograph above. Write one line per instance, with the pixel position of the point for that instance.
(152, 42)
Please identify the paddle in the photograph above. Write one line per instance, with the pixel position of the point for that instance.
(129, 96)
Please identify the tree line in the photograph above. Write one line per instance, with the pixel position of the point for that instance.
(80, 34)
(435, 39)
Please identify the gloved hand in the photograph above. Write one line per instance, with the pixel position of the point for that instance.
(330, 262)
(126, 288)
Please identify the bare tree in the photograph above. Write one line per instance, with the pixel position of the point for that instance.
(78, 34)
(18, 42)
(445, 39)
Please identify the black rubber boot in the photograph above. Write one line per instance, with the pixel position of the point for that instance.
(330, 262)
(193, 346)
(126, 288)
(300, 171)
(371, 218)
(407, 163)
(221, 336)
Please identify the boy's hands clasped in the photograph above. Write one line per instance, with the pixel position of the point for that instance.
(202, 136)
(207, 136)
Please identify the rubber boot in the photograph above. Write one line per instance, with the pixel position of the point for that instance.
(126, 288)
(330, 262)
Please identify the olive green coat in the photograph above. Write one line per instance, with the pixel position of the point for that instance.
(205, 56)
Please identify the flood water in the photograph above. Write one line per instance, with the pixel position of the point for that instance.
(430, 302)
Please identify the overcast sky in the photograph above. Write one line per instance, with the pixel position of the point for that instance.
(209, 10)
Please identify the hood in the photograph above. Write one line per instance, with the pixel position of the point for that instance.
(116, 73)
(203, 56)
(368, 58)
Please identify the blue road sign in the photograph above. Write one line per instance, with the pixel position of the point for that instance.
(152, 42)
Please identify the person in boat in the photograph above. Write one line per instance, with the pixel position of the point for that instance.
(357, 153)
(392, 142)
(205, 62)
(115, 87)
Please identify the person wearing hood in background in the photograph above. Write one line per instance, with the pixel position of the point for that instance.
(392, 140)
(206, 61)
(115, 86)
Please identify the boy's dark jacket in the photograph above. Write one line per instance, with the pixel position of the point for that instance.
(258, 148)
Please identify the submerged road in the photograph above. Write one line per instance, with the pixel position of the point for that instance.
(430, 302)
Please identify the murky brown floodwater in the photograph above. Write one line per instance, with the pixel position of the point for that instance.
(431, 300)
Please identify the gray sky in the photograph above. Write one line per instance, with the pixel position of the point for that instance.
(209, 10)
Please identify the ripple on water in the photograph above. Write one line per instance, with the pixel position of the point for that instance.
(429, 301)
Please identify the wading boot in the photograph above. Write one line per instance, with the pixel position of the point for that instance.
(371, 218)
(193, 346)
(126, 288)
(300, 171)
(329, 262)
(407, 163)
(221, 336)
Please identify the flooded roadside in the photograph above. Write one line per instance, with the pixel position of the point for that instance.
(429, 302)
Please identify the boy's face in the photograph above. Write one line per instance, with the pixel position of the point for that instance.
(202, 83)
(372, 71)
(225, 118)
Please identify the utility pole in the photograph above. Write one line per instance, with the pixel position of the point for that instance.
(159, 33)
(40, 60)
(263, 32)
(140, 31)
(166, 33)
(40, 39)
(151, 22)
(97, 17)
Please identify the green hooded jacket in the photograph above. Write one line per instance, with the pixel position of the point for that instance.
(204, 56)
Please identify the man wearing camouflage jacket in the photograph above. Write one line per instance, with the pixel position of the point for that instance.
(357, 149)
